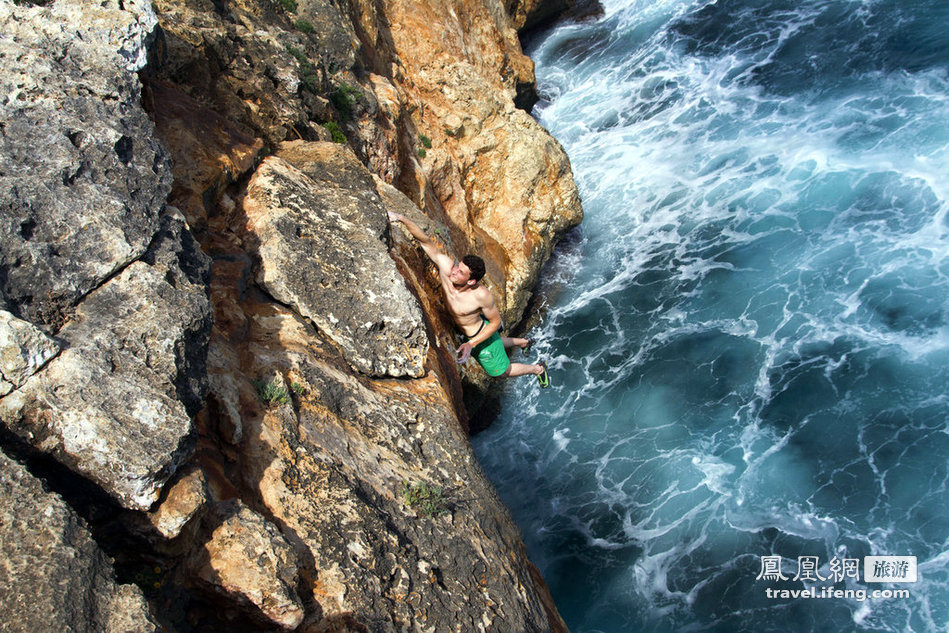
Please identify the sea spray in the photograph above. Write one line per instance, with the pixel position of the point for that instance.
(750, 332)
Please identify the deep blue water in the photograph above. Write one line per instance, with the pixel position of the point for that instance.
(749, 335)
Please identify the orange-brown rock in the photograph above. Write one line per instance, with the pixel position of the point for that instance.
(471, 159)
(248, 559)
(218, 150)
(440, 114)
(526, 14)
(184, 500)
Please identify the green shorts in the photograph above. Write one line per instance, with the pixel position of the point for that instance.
(492, 356)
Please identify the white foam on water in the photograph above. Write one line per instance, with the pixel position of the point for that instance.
(716, 208)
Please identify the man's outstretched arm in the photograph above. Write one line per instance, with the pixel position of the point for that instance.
(431, 249)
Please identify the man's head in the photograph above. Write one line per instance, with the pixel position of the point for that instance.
(469, 271)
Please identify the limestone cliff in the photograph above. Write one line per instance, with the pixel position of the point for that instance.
(220, 371)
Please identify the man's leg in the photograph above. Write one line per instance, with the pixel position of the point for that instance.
(514, 342)
(493, 358)
(520, 369)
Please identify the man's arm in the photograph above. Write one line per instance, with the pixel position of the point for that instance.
(441, 260)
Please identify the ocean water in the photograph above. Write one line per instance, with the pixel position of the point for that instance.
(749, 335)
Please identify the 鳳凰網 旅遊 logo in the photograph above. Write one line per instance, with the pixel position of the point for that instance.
(809, 569)
(821, 581)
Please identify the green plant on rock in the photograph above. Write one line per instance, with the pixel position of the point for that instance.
(304, 26)
(429, 501)
(426, 142)
(335, 132)
(290, 6)
(272, 393)
(344, 98)
(298, 54)
(310, 82)
(308, 74)
(422, 153)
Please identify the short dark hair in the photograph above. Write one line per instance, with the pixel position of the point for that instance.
(475, 264)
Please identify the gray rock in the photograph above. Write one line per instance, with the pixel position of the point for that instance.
(320, 233)
(187, 270)
(54, 578)
(24, 350)
(225, 396)
(114, 404)
(82, 180)
(239, 58)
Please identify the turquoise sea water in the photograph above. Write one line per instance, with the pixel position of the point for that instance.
(749, 335)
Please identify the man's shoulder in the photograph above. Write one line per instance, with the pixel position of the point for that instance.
(484, 296)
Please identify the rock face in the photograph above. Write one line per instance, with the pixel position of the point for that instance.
(321, 234)
(527, 14)
(24, 348)
(87, 204)
(90, 254)
(446, 79)
(54, 577)
(236, 56)
(186, 498)
(261, 382)
(221, 150)
(469, 157)
(331, 465)
(114, 404)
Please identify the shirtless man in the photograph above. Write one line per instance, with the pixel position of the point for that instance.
(472, 307)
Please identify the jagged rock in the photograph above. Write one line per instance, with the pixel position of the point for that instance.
(115, 405)
(330, 468)
(231, 273)
(499, 181)
(82, 180)
(24, 349)
(247, 560)
(237, 55)
(225, 396)
(186, 499)
(320, 235)
(526, 14)
(83, 185)
(53, 576)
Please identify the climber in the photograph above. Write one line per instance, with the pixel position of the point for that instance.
(472, 307)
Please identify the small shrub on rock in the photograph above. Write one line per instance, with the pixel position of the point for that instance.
(335, 132)
(429, 501)
(272, 393)
(304, 26)
(344, 98)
